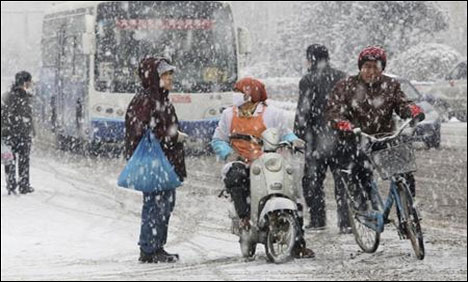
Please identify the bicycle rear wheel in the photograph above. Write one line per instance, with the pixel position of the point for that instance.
(412, 226)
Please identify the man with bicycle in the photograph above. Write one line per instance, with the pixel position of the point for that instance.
(367, 101)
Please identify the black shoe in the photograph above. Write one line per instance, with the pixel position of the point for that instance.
(26, 190)
(303, 253)
(145, 258)
(162, 256)
(11, 190)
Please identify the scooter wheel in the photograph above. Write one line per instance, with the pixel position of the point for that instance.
(281, 237)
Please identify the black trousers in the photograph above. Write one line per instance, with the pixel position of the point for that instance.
(315, 171)
(237, 184)
(21, 150)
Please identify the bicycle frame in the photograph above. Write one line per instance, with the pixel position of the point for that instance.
(383, 214)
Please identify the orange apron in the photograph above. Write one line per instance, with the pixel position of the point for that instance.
(253, 126)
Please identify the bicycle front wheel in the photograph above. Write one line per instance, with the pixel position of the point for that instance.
(411, 226)
(362, 221)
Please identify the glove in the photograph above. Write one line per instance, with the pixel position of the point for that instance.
(344, 125)
(417, 112)
(182, 137)
(221, 148)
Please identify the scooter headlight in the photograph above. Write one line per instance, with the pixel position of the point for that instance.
(274, 165)
(256, 170)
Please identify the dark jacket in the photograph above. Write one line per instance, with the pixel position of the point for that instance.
(4, 117)
(314, 91)
(151, 108)
(369, 107)
(17, 116)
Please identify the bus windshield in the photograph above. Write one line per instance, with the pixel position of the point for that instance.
(198, 38)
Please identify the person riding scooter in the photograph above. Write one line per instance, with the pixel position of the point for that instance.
(250, 117)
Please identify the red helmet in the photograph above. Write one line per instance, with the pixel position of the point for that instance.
(372, 53)
(252, 87)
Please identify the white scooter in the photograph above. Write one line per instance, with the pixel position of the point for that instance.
(273, 203)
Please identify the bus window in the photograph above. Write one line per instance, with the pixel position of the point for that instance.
(68, 60)
(51, 39)
(74, 62)
(198, 37)
(50, 52)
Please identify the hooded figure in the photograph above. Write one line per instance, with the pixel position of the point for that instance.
(152, 109)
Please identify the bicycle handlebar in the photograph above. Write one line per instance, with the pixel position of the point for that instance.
(373, 139)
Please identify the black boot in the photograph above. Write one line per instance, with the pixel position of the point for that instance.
(145, 258)
(304, 253)
(161, 256)
(11, 189)
(26, 190)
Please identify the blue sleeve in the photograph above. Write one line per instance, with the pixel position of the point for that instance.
(221, 148)
(290, 137)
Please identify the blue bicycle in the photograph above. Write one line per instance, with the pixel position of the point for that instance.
(393, 157)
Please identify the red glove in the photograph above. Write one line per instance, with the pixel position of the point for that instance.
(417, 112)
(344, 125)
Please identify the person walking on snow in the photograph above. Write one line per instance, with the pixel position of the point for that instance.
(312, 126)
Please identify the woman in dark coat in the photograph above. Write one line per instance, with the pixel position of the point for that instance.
(18, 131)
(152, 109)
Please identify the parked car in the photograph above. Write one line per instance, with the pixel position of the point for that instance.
(452, 91)
(428, 131)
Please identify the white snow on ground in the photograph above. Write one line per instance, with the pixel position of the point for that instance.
(454, 134)
(80, 226)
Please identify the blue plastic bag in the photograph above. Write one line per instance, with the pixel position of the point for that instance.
(148, 170)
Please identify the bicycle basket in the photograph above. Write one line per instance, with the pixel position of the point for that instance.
(394, 160)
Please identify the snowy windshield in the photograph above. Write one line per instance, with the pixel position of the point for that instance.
(459, 72)
(409, 90)
(198, 37)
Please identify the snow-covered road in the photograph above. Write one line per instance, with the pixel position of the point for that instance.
(80, 226)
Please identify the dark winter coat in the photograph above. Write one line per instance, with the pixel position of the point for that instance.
(314, 90)
(4, 116)
(17, 116)
(151, 108)
(369, 107)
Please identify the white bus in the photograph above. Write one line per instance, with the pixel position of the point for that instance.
(91, 52)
